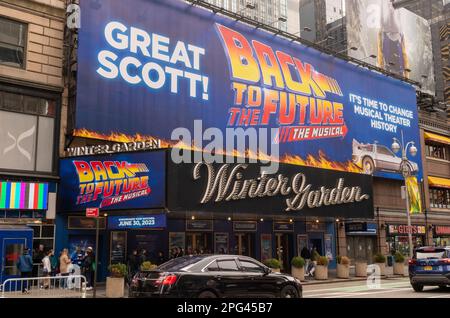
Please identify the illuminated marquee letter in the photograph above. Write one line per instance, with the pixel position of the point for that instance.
(240, 55)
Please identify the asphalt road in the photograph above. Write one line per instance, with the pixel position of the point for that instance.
(390, 288)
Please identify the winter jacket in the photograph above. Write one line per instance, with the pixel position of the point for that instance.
(25, 263)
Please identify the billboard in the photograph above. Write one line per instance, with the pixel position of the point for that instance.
(121, 181)
(141, 75)
(399, 39)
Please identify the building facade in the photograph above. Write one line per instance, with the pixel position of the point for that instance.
(31, 85)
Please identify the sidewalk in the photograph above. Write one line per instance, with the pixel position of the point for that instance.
(333, 279)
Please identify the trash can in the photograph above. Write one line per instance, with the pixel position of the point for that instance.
(390, 260)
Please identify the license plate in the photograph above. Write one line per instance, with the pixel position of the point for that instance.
(428, 268)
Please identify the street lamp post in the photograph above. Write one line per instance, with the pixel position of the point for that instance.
(406, 172)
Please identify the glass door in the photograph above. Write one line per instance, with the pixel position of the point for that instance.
(12, 250)
(244, 244)
(198, 243)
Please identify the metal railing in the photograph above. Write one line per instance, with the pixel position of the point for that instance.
(72, 286)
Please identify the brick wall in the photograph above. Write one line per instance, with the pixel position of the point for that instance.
(44, 49)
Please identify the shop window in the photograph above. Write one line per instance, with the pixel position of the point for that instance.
(436, 150)
(12, 43)
(440, 198)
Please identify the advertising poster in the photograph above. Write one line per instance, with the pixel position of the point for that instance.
(157, 221)
(328, 246)
(302, 241)
(120, 181)
(399, 38)
(266, 246)
(118, 247)
(176, 239)
(221, 243)
(415, 201)
(140, 76)
(78, 245)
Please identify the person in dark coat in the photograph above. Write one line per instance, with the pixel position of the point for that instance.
(25, 266)
(306, 255)
(161, 259)
(89, 267)
(133, 263)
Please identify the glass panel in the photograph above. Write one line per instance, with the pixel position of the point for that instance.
(45, 144)
(9, 101)
(36, 231)
(48, 230)
(251, 267)
(228, 265)
(12, 32)
(11, 55)
(12, 254)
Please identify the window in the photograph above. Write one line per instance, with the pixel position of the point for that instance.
(12, 42)
(436, 150)
(251, 267)
(440, 198)
(213, 267)
(228, 265)
(27, 134)
(384, 151)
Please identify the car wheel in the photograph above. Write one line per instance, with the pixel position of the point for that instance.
(368, 165)
(207, 294)
(417, 287)
(289, 292)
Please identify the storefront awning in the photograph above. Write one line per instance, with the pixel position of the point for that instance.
(436, 138)
(439, 182)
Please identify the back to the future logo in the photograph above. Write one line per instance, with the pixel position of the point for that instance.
(111, 181)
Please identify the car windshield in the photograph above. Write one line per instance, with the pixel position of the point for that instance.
(435, 253)
(179, 263)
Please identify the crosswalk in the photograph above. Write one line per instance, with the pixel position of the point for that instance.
(396, 289)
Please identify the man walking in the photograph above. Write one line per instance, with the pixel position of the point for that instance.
(25, 266)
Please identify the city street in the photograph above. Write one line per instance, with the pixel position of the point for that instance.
(391, 288)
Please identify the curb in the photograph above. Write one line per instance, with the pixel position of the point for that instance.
(346, 280)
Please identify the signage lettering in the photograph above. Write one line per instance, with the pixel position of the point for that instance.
(226, 185)
(114, 148)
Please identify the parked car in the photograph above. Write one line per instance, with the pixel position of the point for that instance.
(376, 157)
(213, 276)
(430, 266)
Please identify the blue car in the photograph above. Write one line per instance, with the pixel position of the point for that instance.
(430, 266)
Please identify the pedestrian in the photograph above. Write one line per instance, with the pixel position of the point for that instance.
(64, 263)
(25, 266)
(306, 255)
(89, 267)
(38, 255)
(54, 263)
(180, 251)
(161, 259)
(144, 256)
(133, 263)
(46, 269)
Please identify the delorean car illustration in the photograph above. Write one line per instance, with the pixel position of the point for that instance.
(375, 157)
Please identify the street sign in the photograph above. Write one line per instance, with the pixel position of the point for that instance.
(92, 212)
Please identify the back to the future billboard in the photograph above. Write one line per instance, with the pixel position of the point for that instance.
(147, 67)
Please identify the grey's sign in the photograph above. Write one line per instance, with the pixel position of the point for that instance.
(242, 188)
(114, 148)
